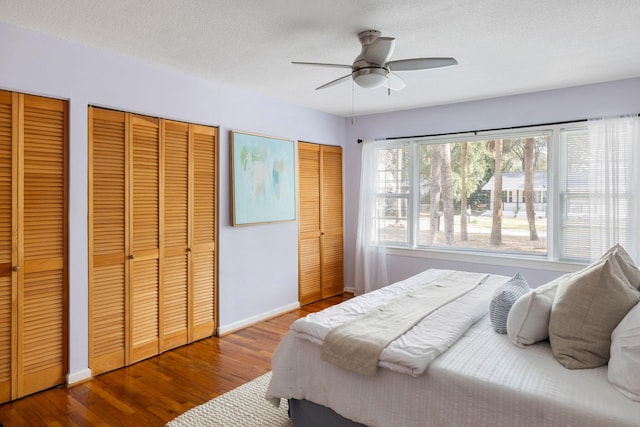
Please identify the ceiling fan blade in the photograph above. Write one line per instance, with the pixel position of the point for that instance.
(321, 64)
(335, 82)
(380, 50)
(420, 63)
(394, 82)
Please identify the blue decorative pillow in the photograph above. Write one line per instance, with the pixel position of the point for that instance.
(503, 299)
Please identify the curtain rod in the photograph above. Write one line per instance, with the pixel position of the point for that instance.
(475, 132)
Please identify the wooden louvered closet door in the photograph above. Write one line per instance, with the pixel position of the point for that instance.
(203, 271)
(144, 238)
(332, 223)
(6, 241)
(108, 243)
(42, 277)
(309, 223)
(33, 275)
(320, 246)
(175, 234)
(152, 222)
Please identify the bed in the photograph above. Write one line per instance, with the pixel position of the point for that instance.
(478, 378)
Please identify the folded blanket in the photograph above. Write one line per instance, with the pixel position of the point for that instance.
(412, 351)
(356, 345)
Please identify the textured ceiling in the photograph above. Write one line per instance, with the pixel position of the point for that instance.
(503, 47)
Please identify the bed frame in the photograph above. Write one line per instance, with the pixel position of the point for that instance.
(304, 413)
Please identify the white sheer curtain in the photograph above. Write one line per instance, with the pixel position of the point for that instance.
(614, 145)
(371, 258)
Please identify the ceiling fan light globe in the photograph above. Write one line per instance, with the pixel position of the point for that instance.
(370, 77)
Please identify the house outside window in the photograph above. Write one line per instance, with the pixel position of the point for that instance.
(441, 193)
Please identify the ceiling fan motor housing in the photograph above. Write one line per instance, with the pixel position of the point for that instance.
(370, 76)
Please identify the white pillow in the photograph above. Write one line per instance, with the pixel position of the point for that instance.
(528, 320)
(624, 362)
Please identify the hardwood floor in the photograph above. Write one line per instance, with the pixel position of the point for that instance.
(156, 390)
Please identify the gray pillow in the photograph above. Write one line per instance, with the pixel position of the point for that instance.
(503, 299)
(586, 309)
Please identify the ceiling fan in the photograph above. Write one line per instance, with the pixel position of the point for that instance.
(372, 68)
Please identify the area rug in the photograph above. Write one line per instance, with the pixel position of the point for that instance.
(244, 406)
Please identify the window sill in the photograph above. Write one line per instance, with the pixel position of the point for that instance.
(506, 260)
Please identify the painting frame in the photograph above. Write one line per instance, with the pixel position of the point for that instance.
(263, 187)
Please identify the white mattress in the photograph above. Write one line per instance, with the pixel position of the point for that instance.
(482, 380)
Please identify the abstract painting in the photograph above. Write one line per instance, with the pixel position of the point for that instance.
(262, 179)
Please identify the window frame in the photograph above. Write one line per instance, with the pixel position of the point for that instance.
(556, 158)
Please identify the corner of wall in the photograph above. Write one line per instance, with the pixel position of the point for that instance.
(236, 326)
(78, 377)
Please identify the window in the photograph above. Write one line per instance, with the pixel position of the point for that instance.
(393, 195)
(498, 192)
(574, 195)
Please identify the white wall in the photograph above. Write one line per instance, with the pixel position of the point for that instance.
(578, 103)
(258, 267)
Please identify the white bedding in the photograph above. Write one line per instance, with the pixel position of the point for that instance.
(482, 380)
(412, 352)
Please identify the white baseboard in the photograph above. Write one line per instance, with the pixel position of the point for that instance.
(77, 377)
(235, 326)
(350, 290)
